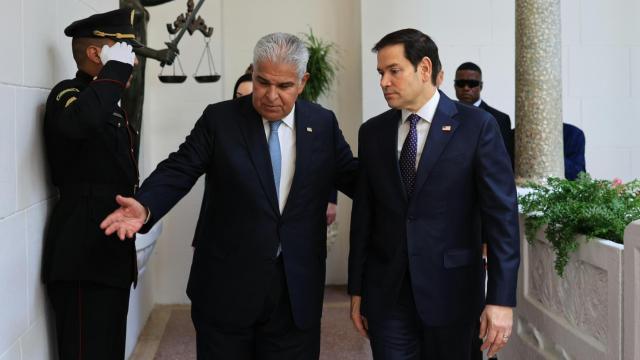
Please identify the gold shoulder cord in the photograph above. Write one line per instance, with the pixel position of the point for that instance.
(71, 99)
(61, 93)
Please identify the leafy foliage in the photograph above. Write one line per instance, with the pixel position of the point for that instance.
(595, 208)
(321, 67)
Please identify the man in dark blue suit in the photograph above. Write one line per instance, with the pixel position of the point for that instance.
(257, 277)
(574, 142)
(431, 172)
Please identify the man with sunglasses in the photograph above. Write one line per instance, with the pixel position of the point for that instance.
(468, 85)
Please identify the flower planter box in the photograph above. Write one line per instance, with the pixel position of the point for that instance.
(579, 316)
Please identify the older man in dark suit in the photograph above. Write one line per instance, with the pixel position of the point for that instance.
(431, 171)
(257, 277)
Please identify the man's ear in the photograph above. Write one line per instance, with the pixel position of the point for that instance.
(93, 54)
(303, 82)
(426, 68)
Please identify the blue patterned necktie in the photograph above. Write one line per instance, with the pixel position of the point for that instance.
(408, 155)
(274, 152)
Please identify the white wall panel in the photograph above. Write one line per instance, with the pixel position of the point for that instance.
(11, 63)
(37, 343)
(609, 162)
(39, 31)
(13, 274)
(599, 71)
(13, 353)
(33, 183)
(8, 169)
(36, 299)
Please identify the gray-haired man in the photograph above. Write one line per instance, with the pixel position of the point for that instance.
(257, 277)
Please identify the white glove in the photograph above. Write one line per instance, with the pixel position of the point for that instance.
(121, 51)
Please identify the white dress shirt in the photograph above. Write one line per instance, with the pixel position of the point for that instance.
(426, 113)
(287, 137)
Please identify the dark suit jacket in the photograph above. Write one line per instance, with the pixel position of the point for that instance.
(89, 153)
(504, 122)
(464, 178)
(574, 143)
(241, 226)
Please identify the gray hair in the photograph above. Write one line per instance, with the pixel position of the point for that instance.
(282, 48)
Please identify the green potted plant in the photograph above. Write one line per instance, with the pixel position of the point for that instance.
(594, 208)
(321, 67)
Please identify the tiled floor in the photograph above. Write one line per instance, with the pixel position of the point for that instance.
(169, 333)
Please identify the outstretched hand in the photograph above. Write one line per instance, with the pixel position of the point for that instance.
(126, 220)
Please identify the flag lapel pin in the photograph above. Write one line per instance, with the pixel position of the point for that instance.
(309, 129)
(446, 128)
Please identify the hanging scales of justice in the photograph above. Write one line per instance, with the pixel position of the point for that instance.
(183, 23)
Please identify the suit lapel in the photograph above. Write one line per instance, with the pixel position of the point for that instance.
(253, 131)
(304, 149)
(441, 131)
(388, 140)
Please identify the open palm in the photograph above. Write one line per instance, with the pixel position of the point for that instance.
(126, 220)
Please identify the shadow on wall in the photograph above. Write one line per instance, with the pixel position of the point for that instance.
(38, 144)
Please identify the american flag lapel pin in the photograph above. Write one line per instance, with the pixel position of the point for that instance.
(309, 129)
(446, 128)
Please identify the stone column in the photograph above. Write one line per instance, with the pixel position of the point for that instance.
(539, 151)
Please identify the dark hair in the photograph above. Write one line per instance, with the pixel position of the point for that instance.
(79, 47)
(470, 66)
(241, 79)
(417, 45)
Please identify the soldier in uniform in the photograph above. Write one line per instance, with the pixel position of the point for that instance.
(91, 149)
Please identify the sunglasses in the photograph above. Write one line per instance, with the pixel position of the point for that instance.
(469, 83)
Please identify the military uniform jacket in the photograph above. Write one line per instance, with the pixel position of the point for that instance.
(92, 157)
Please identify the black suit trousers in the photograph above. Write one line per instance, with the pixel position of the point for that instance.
(402, 335)
(90, 318)
(274, 336)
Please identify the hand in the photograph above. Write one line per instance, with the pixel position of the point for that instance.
(121, 52)
(359, 321)
(167, 56)
(495, 328)
(126, 220)
(331, 213)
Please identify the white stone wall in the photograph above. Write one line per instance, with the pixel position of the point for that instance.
(577, 316)
(631, 292)
(601, 53)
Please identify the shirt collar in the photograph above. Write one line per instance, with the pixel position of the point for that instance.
(287, 120)
(477, 103)
(427, 111)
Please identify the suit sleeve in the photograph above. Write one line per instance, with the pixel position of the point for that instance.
(346, 165)
(361, 223)
(175, 176)
(78, 113)
(333, 197)
(499, 214)
(574, 161)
